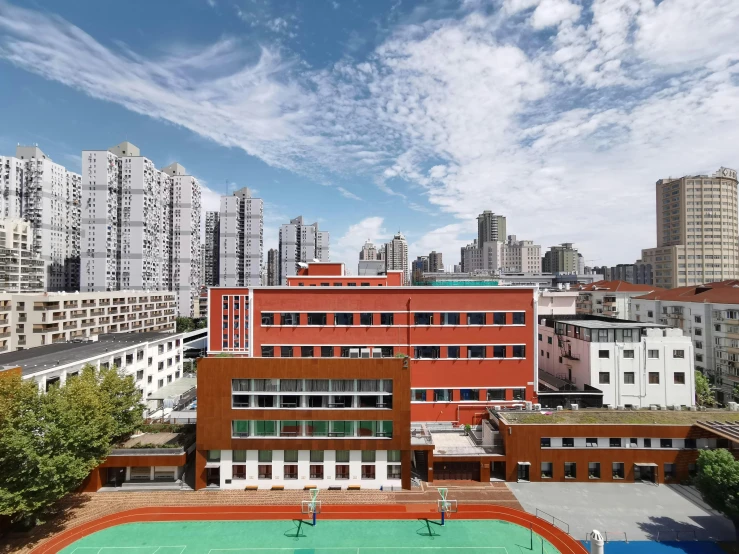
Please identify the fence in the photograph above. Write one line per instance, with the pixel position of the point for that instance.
(562, 524)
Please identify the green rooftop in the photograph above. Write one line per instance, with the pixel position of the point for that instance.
(637, 417)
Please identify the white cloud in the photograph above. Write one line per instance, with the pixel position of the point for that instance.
(347, 194)
(553, 12)
(346, 248)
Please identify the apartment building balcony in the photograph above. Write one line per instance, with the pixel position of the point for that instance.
(70, 325)
(58, 317)
(69, 304)
(55, 339)
(88, 303)
(5, 307)
(149, 306)
(124, 309)
(4, 319)
(136, 325)
(4, 346)
(118, 318)
(45, 328)
(104, 320)
(22, 318)
(119, 301)
(732, 335)
(97, 311)
(112, 311)
(78, 313)
(168, 312)
(45, 306)
(104, 302)
(137, 308)
(22, 341)
(155, 313)
(4, 334)
(112, 328)
(77, 334)
(131, 317)
(124, 327)
(96, 331)
(87, 322)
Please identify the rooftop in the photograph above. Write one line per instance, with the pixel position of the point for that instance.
(722, 292)
(617, 286)
(623, 417)
(46, 357)
(599, 324)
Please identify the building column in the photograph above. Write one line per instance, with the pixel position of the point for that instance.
(430, 475)
(485, 471)
(200, 477)
(405, 469)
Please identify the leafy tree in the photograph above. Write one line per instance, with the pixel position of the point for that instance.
(184, 324)
(123, 400)
(201, 323)
(718, 482)
(703, 394)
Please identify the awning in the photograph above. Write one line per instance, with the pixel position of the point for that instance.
(649, 464)
(212, 465)
(524, 463)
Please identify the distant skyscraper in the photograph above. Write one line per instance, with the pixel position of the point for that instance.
(211, 252)
(490, 227)
(241, 250)
(435, 261)
(561, 259)
(273, 267)
(396, 255)
(419, 266)
(369, 252)
(300, 243)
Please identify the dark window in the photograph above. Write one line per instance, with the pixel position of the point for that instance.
(268, 319)
(654, 378)
(338, 284)
(476, 318)
(604, 378)
(342, 456)
(316, 471)
(549, 340)
(450, 318)
(628, 378)
(327, 352)
(452, 352)
(316, 319)
(499, 351)
(268, 351)
(499, 318)
(617, 469)
(365, 319)
(544, 442)
(351, 284)
(365, 284)
(475, 351)
(291, 471)
(368, 472)
(690, 443)
(344, 319)
(419, 395)
(678, 353)
(469, 394)
(316, 456)
(633, 442)
(679, 378)
(539, 337)
(519, 351)
(519, 394)
(670, 471)
(614, 443)
(647, 443)
(325, 284)
(427, 352)
(568, 442)
(629, 354)
(286, 351)
(426, 318)
(290, 319)
(442, 395)
(570, 470)
(496, 394)
(665, 443)
(342, 472)
(386, 319)
(604, 354)
(594, 470)
(547, 470)
(591, 442)
(519, 318)
(306, 351)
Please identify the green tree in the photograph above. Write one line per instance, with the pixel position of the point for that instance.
(123, 400)
(703, 394)
(201, 323)
(718, 482)
(184, 324)
(49, 442)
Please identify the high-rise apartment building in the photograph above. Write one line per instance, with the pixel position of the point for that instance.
(510, 256)
(370, 253)
(45, 194)
(396, 255)
(561, 259)
(490, 227)
(300, 243)
(241, 239)
(273, 265)
(20, 269)
(419, 266)
(436, 263)
(697, 230)
(140, 226)
(211, 252)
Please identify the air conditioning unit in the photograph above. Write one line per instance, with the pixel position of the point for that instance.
(654, 407)
(528, 405)
(365, 352)
(560, 408)
(621, 408)
(611, 407)
(377, 353)
(663, 407)
(574, 407)
(537, 407)
(354, 352)
(732, 406)
(693, 408)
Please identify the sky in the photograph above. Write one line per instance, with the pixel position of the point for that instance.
(372, 117)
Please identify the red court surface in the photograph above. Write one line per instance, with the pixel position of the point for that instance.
(558, 538)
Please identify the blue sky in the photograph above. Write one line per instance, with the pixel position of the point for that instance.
(377, 116)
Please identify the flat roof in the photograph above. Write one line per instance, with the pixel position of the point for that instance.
(42, 358)
(597, 324)
(176, 388)
(622, 417)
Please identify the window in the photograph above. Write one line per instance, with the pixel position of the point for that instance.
(519, 318)
(593, 470)
(452, 352)
(442, 395)
(699, 344)
(424, 318)
(499, 318)
(539, 337)
(386, 319)
(495, 394)
(214, 455)
(342, 456)
(591, 442)
(547, 470)
(268, 351)
(268, 319)
(264, 428)
(570, 470)
(343, 319)
(290, 318)
(617, 469)
(691, 443)
(519, 351)
(715, 327)
(286, 351)
(692, 470)
(604, 354)
(265, 456)
(368, 456)
(429, 352)
(475, 351)
(698, 357)
(670, 471)
(653, 354)
(699, 331)
(679, 378)
(650, 313)
(498, 351)
(306, 351)
(342, 471)
(467, 395)
(327, 352)
(654, 378)
(368, 471)
(647, 443)
(419, 395)
(665, 443)
(316, 319)
(393, 471)
(365, 319)
(629, 377)
(697, 319)
(549, 340)
(291, 456)
(238, 472)
(604, 378)
(614, 443)
(678, 353)
(290, 471)
(476, 318)
(568, 442)
(519, 394)
(451, 318)
(629, 354)
(545, 442)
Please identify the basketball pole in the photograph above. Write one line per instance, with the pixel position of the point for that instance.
(313, 495)
(442, 493)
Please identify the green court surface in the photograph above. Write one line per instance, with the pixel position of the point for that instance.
(328, 537)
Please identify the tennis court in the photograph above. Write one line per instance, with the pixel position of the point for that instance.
(327, 537)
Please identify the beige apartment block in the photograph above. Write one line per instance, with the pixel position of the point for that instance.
(30, 320)
(21, 270)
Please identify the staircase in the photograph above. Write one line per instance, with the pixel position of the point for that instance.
(138, 486)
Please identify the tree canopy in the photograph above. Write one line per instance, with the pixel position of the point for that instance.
(50, 442)
(187, 324)
(718, 482)
(703, 394)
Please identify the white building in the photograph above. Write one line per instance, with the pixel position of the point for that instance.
(28, 320)
(634, 364)
(211, 251)
(509, 256)
(557, 302)
(20, 269)
(154, 360)
(300, 243)
(610, 298)
(709, 314)
(396, 255)
(241, 240)
(44, 193)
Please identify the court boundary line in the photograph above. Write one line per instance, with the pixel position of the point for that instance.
(156, 548)
(358, 548)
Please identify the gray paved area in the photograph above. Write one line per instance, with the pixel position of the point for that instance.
(642, 511)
